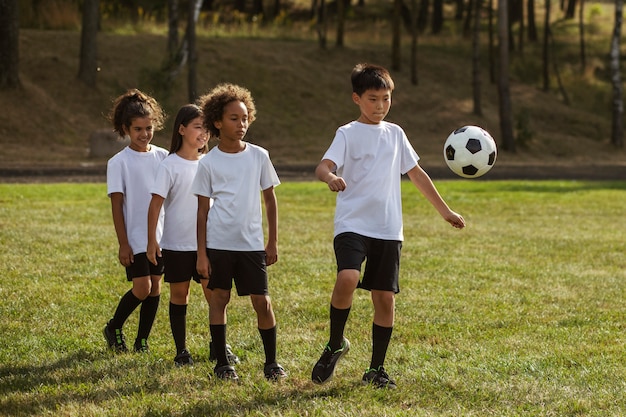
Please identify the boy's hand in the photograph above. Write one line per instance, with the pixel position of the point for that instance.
(455, 219)
(336, 183)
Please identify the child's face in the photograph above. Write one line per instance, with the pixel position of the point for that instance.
(234, 123)
(140, 132)
(374, 105)
(194, 134)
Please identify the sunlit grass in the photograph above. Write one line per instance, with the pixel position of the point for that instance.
(519, 314)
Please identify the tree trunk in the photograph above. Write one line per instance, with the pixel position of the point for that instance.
(9, 45)
(617, 124)
(581, 30)
(546, 55)
(422, 17)
(414, 33)
(492, 46)
(322, 24)
(341, 20)
(571, 9)
(437, 16)
(192, 81)
(504, 94)
(172, 29)
(88, 68)
(476, 84)
(532, 26)
(396, 24)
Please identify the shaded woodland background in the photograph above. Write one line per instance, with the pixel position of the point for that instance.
(296, 57)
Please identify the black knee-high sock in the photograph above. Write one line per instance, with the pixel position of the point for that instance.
(218, 338)
(128, 303)
(338, 319)
(178, 323)
(148, 312)
(380, 342)
(269, 344)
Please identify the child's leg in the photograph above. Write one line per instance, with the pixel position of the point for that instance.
(340, 304)
(384, 310)
(217, 319)
(179, 297)
(266, 322)
(148, 311)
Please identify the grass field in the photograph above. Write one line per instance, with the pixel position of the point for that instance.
(520, 314)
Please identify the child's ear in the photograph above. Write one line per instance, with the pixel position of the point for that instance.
(181, 129)
(356, 98)
(218, 124)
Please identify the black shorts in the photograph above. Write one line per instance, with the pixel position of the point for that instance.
(180, 266)
(247, 269)
(142, 267)
(383, 260)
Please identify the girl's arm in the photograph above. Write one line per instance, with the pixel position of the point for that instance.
(422, 181)
(154, 210)
(202, 264)
(271, 211)
(125, 253)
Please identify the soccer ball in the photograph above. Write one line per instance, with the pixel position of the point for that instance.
(470, 151)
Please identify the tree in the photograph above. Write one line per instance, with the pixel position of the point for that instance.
(476, 59)
(414, 32)
(172, 29)
(88, 67)
(192, 79)
(504, 93)
(341, 21)
(581, 30)
(396, 19)
(546, 47)
(617, 125)
(9, 45)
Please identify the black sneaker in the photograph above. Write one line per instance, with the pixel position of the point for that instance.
(230, 355)
(378, 378)
(274, 372)
(141, 346)
(115, 339)
(183, 358)
(226, 373)
(324, 369)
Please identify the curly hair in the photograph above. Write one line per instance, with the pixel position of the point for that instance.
(214, 102)
(131, 105)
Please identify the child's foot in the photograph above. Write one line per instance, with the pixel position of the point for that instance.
(183, 358)
(324, 369)
(115, 339)
(226, 373)
(141, 346)
(274, 372)
(378, 378)
(230, 355)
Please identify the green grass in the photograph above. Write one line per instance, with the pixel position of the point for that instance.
(521, 313)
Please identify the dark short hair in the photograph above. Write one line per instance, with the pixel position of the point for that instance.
(370, 77)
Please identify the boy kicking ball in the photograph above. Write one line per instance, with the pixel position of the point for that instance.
(364, 165)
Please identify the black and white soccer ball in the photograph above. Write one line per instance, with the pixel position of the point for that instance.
(470, 151)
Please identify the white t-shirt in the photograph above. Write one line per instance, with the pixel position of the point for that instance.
(371, 159)
(173, 182)
(132, 173)
(234, 181)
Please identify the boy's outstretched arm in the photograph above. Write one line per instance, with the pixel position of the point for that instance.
(422, 181)
(271, 211)
(325, 173)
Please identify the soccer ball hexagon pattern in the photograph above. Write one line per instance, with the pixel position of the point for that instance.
(470, 151)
